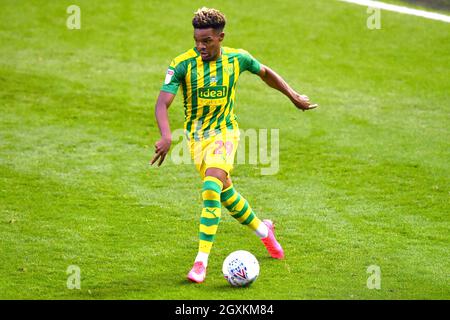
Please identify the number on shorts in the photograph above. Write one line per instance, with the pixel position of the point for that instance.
(228, 147)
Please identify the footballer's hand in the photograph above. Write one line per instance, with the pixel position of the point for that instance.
(302, 102)
(162, 147)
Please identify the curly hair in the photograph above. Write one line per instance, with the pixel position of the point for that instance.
(205, 18)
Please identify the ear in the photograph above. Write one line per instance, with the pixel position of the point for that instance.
(221, 36)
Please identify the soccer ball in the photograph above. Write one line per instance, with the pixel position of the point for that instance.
(240, 268)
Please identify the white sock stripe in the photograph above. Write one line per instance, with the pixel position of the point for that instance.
(262, 231)
(203, 257)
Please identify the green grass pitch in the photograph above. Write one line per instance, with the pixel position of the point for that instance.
(363, 180)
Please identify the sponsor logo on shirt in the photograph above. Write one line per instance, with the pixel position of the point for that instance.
(215, 95)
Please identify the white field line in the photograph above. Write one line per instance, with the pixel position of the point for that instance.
(400, 9)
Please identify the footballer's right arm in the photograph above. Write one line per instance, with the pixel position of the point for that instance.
(162, 146)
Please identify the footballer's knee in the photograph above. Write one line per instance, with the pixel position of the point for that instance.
(219, 174)
(227, 182)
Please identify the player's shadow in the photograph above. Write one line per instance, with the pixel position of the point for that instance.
(186, 282)
(225, 286)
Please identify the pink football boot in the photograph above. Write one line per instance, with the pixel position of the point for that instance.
(273, 247)
(197, 273)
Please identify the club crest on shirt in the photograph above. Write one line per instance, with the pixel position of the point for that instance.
(229, 70)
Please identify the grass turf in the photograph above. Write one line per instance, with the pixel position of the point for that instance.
(363, 180)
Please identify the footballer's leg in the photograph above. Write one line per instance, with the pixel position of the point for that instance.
(209, 222)
(240, 209)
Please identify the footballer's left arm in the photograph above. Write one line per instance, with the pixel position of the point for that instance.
(272, 79)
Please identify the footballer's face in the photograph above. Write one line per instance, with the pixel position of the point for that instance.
(207, 42)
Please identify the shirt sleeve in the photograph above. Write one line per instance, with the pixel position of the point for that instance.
(173, 78)
(249, 63)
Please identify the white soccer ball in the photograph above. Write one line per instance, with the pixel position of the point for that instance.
(240, 268)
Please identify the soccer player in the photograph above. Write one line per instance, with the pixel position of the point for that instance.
(208, 74)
